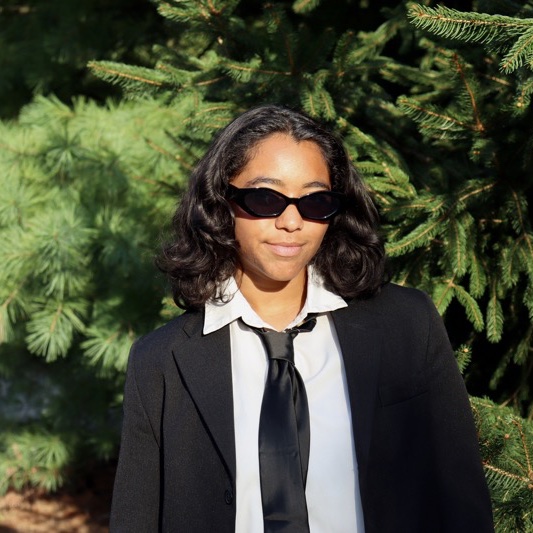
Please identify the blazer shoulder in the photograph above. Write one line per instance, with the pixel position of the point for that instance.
(394, 299)
(153, 349)
(405, 311)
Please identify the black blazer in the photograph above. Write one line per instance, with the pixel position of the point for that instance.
(415, 440)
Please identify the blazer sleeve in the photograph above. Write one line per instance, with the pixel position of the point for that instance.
(136, 494)
(464, 496)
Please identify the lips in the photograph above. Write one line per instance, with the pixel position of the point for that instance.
(285, 249)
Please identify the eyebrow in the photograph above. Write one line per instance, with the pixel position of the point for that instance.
(265, 180)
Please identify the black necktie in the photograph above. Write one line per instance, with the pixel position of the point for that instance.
(284, 435)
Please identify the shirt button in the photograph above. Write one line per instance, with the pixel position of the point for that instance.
(228, 496)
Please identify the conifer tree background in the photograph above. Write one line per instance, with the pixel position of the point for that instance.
(434, 105)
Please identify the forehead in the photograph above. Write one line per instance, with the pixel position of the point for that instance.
(279, 140)
(279, 158)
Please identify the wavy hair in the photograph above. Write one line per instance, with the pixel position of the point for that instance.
(203, 252)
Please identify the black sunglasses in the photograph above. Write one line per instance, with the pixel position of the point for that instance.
(267, 203)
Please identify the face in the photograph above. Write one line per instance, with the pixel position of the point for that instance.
(276, 251)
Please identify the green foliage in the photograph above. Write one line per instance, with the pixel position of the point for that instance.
(34, 458)
(72, 251)
(506, 443)
(78, 283)
(511, 35)
(44, 46)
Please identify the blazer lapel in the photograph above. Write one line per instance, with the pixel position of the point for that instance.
(360, 340)
(204, 362)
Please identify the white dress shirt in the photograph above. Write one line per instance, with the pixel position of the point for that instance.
(332, 491)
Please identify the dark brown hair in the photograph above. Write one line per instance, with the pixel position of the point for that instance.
(203, 252)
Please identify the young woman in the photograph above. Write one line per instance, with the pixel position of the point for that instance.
(277, 232)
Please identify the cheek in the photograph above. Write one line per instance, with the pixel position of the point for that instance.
(319, 233)
(247, 231)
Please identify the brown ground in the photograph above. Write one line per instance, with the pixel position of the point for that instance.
(84, 510)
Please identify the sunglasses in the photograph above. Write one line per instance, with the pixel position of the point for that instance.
(267, 203)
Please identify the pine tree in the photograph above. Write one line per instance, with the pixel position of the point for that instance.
(434, 107)
(506, 443)
(85, 193)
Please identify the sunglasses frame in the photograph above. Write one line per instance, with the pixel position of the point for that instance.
(238, 196)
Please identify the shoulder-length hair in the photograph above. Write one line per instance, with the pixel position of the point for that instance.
(203, 252)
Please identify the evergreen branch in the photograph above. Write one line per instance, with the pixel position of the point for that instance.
(520, 213)
(424, 206)
(436, 120)
(397, 175)
(188, 13)
(463, 356)
(106, 71)
(524, 97)
(526, 449)
(35, 458)
(166, 153)
(108, 348)
(473, 312)
(382, 200)
(478, 277)
(522, 353)
(10, 298)
(55, 318)
(498, 80)
(475, 192)
(253, 70)
(479, 125)
(327, 102)
(203, 83)
(444, 295)
(5, 322)
(458, 240)
(469, 27)
(317, 101)
(521, 51)
(525, 254)
(494, 315)
(507, 474)
(412, 266)
(416, 238)
(51, 329)
(341, 51)
(378, 184)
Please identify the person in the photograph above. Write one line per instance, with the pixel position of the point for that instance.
(277, 226)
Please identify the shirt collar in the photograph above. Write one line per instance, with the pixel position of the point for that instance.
(233, 305)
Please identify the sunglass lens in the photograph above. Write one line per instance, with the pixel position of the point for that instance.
(264, 203)
(319, 205)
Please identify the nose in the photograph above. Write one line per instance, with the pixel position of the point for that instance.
(290, 219)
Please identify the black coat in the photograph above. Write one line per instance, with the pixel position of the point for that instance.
(415, 440)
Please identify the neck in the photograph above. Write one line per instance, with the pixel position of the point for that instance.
(276, 303)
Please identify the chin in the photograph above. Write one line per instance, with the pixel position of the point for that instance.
(283, 277)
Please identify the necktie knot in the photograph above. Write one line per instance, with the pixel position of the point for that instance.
(279, 344)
